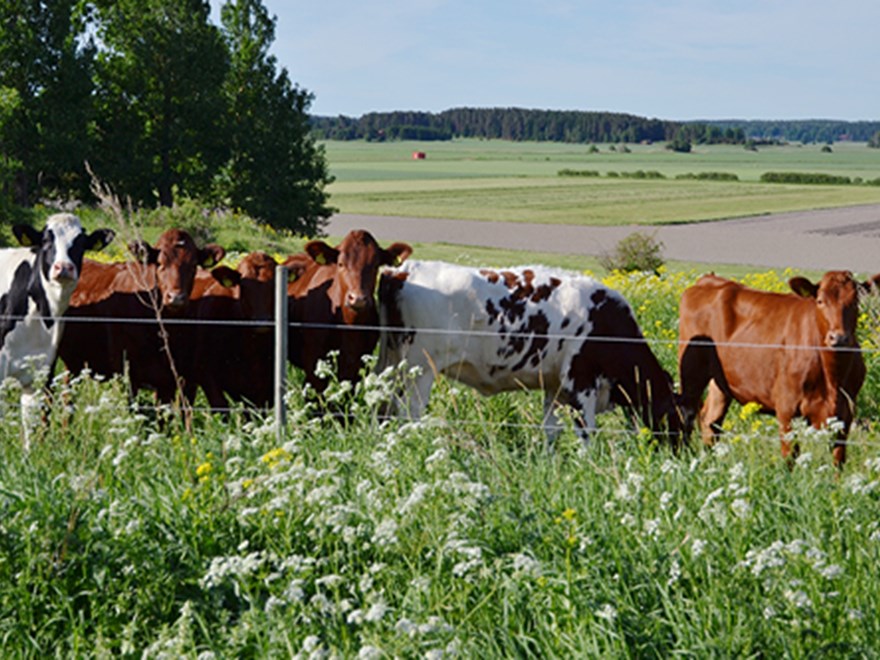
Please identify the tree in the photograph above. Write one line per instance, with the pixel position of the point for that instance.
(46, 69)
(160, 71)
(874, 142)
(275, 170)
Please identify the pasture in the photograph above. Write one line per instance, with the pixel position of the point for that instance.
(456, 536)
(494, 180)
(124, 533)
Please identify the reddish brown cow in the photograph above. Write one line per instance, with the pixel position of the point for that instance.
(792, 354)
(234, 359)
(129, 296)
(336, 287)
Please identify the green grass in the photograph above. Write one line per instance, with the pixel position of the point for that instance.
(123, 534)
(496, 180)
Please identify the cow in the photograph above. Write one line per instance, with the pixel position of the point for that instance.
(532, 328)
(36, 282)
(230, 359)
(794, 354)
(332, 304)
(115, 311)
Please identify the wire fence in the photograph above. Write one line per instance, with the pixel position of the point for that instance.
(457, 334)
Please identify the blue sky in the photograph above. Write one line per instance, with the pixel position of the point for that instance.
(676, 59)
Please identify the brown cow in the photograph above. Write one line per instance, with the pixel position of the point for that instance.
(336, 287)
(234, 359)
(129, 296)
(792, 354)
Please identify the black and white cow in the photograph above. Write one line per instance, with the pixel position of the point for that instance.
(523, 328)
(36, 282)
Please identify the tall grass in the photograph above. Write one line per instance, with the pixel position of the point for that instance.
(121, 534)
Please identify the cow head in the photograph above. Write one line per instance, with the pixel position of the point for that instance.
(358, 259)
(60, 247)
(837, 305)
(255, 277)
(175, 258)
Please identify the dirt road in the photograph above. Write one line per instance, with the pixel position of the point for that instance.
(845, 238)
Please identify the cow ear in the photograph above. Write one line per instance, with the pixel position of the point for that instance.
(211, 255)
(322, 253)
(297, 264)
(27, 236)
(870, 285)
(144, 252)
(226, 276)
(803, 287)
(396, 254)
(99, 239)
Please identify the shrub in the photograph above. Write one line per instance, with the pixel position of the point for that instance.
(805, 177)
(569, 172)
(636, 252)
(709, 176)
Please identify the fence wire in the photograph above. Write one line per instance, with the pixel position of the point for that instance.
(454, 332)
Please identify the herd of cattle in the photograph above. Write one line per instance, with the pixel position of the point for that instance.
(521, 328)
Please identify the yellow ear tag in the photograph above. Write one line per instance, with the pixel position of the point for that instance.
(228, 283)
(321, 259)
(291, 276)
(25, 241)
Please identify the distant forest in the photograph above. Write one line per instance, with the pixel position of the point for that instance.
(578, 127)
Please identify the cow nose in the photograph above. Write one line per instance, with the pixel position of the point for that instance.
(836, 339)
(63, 270)
(355, 301)
(174, 299)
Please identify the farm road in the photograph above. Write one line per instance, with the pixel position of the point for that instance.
(826, 239)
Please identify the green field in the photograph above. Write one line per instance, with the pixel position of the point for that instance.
(496, 180)
(124, 534)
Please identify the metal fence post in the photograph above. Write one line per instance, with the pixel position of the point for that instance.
(280, 351)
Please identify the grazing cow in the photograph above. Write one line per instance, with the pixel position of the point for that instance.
(115, 310)
(36, 283)
(332, 295)
(523, 328)
(794, 354)
(234, 359)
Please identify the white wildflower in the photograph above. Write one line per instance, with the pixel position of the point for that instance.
(607, 612)
(376, 612)
(698, 546)
(741, 508)
(831, 571)
(369, 652)
(385, 533)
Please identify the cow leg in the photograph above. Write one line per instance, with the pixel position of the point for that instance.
(696, 363)
(413, 400)
(712, 414)
(790, 450)
(552, 424)
(586, 403)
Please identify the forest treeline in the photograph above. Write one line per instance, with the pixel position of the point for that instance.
(578, 127)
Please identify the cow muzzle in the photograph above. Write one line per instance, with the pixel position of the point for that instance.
(837, 339)
(356, 301)
(63, 271)
(174, 300)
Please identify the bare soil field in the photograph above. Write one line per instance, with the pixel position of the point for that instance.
(825, 239)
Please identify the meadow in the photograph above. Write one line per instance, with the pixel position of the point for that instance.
(123, 533)
(495, 180)
(457, 536)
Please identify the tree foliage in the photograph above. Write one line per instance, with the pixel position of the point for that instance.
(45, 72)
(160, 102)
(274, 169)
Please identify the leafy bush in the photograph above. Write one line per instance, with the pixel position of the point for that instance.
(569, 172)
(636, 252)
(805, 177)
(709, 176)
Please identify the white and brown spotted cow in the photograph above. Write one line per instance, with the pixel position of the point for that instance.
(522, 328)
(36, 283)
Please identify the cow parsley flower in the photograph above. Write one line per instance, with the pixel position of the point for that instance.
(607, 612)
